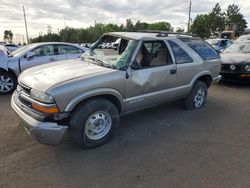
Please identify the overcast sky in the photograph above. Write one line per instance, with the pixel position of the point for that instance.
(81, 13)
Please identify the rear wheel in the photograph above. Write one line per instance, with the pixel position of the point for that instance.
(8, 83)
(93, 122)
(197, 97)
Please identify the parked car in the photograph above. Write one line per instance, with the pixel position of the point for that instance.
(243, 38)
(236, 62)
(33, 55)
(88, 95)
(11, 47)
(220, 44)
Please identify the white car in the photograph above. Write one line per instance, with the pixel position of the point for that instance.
(243, 38)
(33, 55)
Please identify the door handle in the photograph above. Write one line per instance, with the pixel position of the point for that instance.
(173, 71)
(52, 59)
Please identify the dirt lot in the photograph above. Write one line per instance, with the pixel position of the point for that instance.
(163, 146)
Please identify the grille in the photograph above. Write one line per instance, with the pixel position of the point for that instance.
(24, 89)
(226, 68)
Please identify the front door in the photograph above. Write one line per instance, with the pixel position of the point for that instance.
(43, 54)
(152, 76)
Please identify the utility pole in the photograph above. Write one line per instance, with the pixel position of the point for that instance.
(27, 36)
(189, 16)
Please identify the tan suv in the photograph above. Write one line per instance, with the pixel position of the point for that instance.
(87, 96)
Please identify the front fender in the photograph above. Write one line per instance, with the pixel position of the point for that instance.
(94, 93)
(4, 63)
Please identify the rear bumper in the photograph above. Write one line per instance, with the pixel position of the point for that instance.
(44, 132)
(217, 79)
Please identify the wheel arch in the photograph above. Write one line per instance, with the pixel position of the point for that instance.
(110, 95)
(205, 77)
(9, 71)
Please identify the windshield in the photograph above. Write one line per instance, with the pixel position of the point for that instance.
(213, 42)
(111, 52)
(21, 50)
(238, 48)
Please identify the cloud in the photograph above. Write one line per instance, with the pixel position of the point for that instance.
(79, 13)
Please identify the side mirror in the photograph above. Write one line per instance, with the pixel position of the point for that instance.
(29, 55)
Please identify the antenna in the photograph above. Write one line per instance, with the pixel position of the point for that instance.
(27, 36)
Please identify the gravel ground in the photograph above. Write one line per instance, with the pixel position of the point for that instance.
(164, 146)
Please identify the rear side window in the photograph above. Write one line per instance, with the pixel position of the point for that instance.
(201, 48)
(66, 49)
(180, 55)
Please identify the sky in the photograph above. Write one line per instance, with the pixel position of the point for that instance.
(80, 13)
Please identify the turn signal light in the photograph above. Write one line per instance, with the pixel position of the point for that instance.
(47, 110)
(245, 76)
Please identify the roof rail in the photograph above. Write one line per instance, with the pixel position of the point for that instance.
(166, 33)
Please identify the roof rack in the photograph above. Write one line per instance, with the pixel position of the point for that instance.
(166, 33)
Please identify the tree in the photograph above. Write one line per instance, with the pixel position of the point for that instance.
(92, 33)
(209, 24)
(179, 30)
(200, 26)
(164, 26)
(8, 36)
(233, 16)
(141, 26)
(129, 25)
(216, 19)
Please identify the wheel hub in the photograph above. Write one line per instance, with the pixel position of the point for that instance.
(98, 125)
(199, 98)
(6, 83)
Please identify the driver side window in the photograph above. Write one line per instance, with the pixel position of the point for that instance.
(47, 50)
(153, 54)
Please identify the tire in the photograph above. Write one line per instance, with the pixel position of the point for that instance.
(8, 83)
(93, 122)
(197, 97)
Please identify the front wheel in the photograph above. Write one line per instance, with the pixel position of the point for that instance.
(197, 97)
(8, 83)
(93, 122)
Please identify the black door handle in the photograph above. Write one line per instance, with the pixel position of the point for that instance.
(173, 71)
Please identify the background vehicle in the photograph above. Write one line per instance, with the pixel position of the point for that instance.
(231, 31)
(11, 47)
(219, 44)
(88, 95)
(236, 62)
(244, 38)
(33, 55)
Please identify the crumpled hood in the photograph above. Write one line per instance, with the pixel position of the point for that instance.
(228, 58)
(44, 77)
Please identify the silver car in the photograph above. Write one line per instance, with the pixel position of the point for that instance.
(33, 55)
(87, 96)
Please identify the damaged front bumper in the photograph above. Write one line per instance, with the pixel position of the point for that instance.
(49, 133)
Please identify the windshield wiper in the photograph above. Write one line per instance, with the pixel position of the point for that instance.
(96, 61)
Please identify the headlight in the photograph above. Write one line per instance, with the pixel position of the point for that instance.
(247, 68)
(40, 96)
(232, 67)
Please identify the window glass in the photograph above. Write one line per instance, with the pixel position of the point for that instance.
(148, 46)
(44, 51)
(152, 54)
(180, 55)
(66, 49)
(205, 51)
